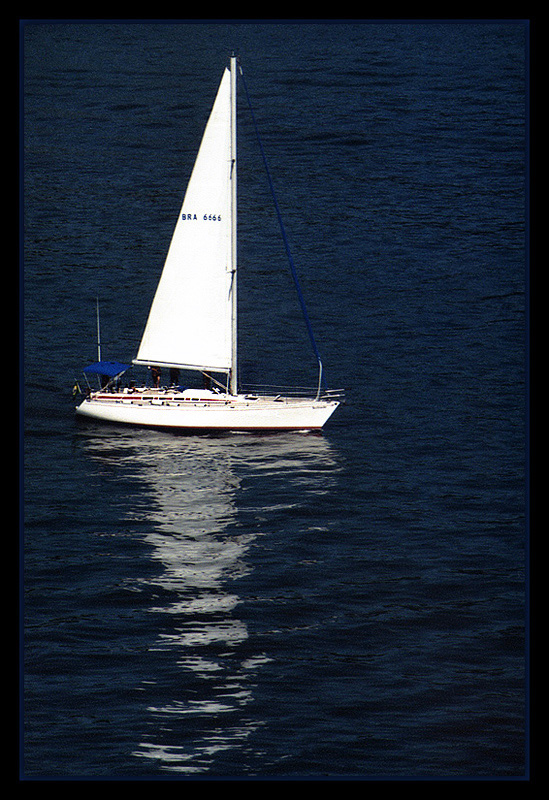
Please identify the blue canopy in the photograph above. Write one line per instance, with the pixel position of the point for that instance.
(110, 368)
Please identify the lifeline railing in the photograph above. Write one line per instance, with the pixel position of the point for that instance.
(293, 391)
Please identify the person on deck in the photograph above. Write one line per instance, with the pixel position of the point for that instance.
(156, 373)
(174, 376)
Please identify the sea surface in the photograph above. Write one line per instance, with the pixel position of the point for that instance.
(293, 606)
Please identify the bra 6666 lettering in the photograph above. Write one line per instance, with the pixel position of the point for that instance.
(205, 217)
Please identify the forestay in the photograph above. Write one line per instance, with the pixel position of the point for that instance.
(189, 324)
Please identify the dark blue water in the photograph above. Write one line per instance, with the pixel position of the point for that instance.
(350, 604)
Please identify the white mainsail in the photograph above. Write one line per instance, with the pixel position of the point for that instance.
(190, 321)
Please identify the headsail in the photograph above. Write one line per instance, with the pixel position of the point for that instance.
(189, 324)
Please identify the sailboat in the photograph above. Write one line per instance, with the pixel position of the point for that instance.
(192, 324)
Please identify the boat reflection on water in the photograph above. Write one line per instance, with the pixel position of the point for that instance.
(200, 536)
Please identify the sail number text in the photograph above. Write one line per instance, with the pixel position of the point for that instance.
(206, 217)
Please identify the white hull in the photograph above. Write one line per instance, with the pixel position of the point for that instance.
(204, 410)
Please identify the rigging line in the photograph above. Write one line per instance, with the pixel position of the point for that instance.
(284, 237)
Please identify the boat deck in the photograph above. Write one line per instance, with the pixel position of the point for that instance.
(177, 397)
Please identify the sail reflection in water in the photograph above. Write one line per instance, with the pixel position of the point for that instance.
(201, 702)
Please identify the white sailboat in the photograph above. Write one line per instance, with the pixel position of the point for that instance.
(192, 323)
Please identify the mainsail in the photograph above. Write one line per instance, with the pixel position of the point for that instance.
(190, 321)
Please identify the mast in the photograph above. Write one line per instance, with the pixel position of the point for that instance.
(233, 388)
